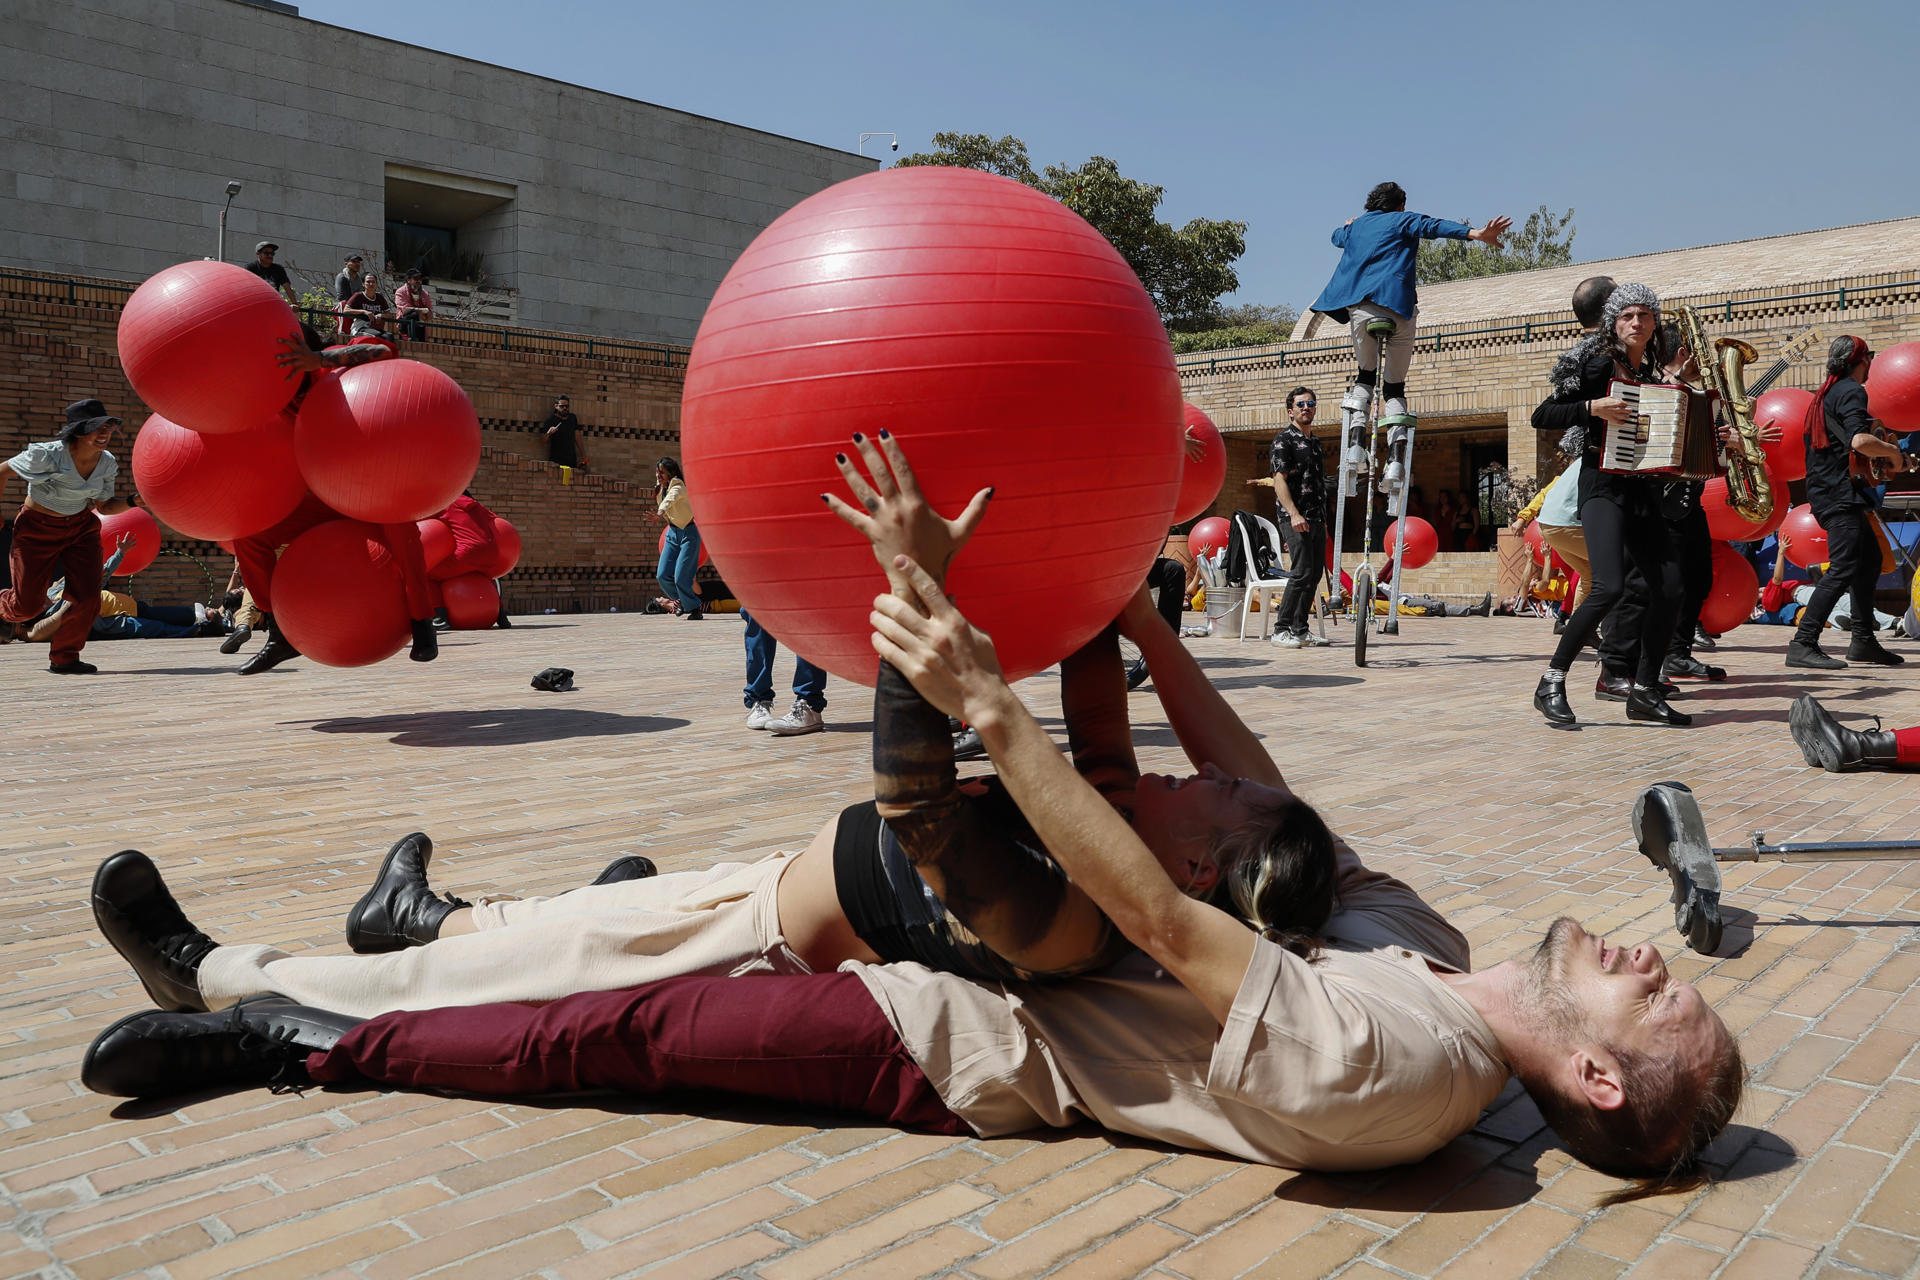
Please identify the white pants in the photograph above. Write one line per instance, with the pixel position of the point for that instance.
(1399, 347)
(724, 920)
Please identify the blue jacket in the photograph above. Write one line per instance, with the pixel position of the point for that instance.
(1377, 266)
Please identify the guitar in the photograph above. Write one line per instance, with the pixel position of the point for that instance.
(1877, 471)
(1792, 351)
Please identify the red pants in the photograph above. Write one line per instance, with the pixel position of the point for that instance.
(817, 1040)
(46, 546)
(1906, 745)
(477, 559)
(260, 553)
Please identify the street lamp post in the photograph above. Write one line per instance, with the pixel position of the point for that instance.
(220, 245)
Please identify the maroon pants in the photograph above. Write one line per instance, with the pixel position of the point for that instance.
(475, 559)
(46, 546)
(259, 554)
(817, 1040)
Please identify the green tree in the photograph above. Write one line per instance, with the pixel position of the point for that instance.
(1545, 240)
(1186, 270)
(1246, 324)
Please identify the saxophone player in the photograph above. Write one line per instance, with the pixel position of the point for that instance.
(1838, 427)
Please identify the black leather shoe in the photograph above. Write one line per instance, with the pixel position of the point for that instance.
(146, 926)
(262, 1041)
(278, 649)
(1827, 744)
(238, 640)
(1648, 705)
(1869, 650)
(1482, 610)
(1703, 641)
(1688, 667)
(967, 744)
(1550, 700)
(1801, 654)
(79, 668)
(1612, 688)
(426, 645)
(631, 867)
(400, 911)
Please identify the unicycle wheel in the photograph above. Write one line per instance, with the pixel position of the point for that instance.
(1362, 614)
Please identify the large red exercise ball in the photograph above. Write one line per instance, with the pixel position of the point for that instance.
(339, 594)
(436, 540)
(1787, 408)
(472, 601)
(1735, 589)
(1728, 525)
(146, 539)
(1008, 345)
(1209, 536)
(199, 344)
(1200, 478)
(506, 547)
(1893, 387)
(1802, 539)
(218, 487)
(702, 559)
(387, 442)
(1536, 541)
(1422, 542)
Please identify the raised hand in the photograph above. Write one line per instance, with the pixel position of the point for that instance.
(950, 661)
(894, 515)
(1490, 234)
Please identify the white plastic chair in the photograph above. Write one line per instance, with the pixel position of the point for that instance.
(1267, 591)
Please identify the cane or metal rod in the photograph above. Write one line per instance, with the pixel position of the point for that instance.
(1757, 849)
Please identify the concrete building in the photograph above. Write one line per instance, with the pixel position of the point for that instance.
(124, 121)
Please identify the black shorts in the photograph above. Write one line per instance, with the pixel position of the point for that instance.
(896, 914)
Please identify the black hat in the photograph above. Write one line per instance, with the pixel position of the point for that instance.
(352, 257)
(84, 417)
(266, 244)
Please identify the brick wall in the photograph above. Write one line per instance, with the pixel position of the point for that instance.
(588, 544)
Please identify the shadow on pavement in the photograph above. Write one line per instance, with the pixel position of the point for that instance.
(509, 727)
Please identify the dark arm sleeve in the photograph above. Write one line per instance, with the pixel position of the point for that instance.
(1847, 402)
(1566, 407)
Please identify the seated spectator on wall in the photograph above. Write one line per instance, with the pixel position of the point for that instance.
(345, 285)
(264, 266)
(413, 306)
(368, 311)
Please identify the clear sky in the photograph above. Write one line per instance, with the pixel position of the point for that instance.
(1661, 125)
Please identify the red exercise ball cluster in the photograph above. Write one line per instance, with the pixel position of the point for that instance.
(1893, 387)
(340, 595)
(1003, 340)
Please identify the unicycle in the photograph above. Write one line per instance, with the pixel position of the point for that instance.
(1360, 464)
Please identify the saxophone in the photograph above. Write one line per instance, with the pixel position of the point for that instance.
(1749, 492)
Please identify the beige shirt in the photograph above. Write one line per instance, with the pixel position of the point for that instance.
(674, 505)
(1361, 1060)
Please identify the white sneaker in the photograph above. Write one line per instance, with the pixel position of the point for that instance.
(760, 715)
(1314, 640)
(1394, 477)
(1395, 407)
(1357, 400)
(199, 613)
(1286, 640)
(802, 719)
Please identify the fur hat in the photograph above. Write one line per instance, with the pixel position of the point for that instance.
(1628, 295)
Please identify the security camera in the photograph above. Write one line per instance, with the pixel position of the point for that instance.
(233, 189)
(896, 144)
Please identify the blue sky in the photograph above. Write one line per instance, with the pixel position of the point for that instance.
(1661, 125)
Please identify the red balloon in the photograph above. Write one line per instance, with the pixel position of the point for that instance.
(472, 601)
(218, 487)
(146, 539)
(1536, 542)
(1726, 524)
(198, 343)
(340, 596)
(1893, 387)
(387, 442)
(1786, 406)
(1802, 540)
(1209, 536)
(1422, 542)
(506, 545)
(1202, 478)
(436, 540)
(703, 557)
(1735, 590)
(1007, 342)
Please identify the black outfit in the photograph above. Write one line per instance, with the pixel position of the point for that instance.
(560, 445)
(1300, 460)
(1168, 582)
(1693, 550)
(273, 273)
(1624, 523)
(1841, 507)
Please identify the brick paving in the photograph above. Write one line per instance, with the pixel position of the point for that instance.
(268, 803)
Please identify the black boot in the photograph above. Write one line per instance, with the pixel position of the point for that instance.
(277, 650)
(1825, 742)
(262, 1041)
(426, 645)
(1648, 704)
(1550, 700)
(631, 867)
(1684, 666)
(400, 910)
(146, 926)
(1867, 649)
(237, 641)
(1612, 686)
(1806, 653)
